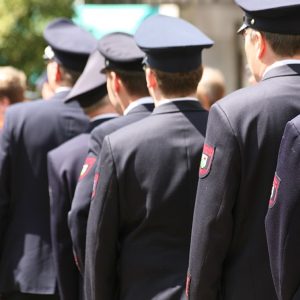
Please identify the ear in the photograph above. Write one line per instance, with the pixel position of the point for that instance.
(260, 44)
(116, 82)
(57, 73)
(151, 79)
(4, 103)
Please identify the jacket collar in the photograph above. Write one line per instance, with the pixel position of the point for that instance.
(284, 70)
(97, 122)
(178, 106)
(60, 96)
(142, 108)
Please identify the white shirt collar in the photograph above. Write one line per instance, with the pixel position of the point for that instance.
(63, 89)
(132, 105)
(104, 116)
(281, 63)
(165, 101)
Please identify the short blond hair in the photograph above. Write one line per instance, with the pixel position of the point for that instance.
(12, 83)
(211, 86)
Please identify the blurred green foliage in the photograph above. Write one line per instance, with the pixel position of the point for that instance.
(21, 31)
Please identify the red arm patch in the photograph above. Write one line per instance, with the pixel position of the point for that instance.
(187, 286)
(274, 192)
(95, 183)
(76, 261)
(206, 160)
(88, 164)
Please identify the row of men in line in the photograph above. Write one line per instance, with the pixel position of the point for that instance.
(90, 91)
(135, 230)
(13, 86)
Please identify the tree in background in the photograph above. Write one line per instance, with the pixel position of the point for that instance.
(21, 32)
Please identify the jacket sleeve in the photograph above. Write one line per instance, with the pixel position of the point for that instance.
(213, 215)
(282, 220)
(79, 212)
(102, 232)
(60, 204)
(5, 173)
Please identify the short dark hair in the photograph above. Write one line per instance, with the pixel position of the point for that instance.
(134, 81)
(93, 106)
(178, 84)
(68, 76)
(283, 44)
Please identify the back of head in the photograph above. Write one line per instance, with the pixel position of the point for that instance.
(173, 50)
(135, 83)
(12, 84)
(69, 46)
(211, 87)
(284, 45)
(277, 20)
(90, 88)
(179, 84)
(123, 57)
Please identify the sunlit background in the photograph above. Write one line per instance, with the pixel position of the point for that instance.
(22, 23)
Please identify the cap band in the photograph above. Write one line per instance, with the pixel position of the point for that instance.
(125, 66)
(291, 25)
(182, 61)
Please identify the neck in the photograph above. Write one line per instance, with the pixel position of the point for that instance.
(269, 60)
(160, 97)
(107, 109)
(126, 101)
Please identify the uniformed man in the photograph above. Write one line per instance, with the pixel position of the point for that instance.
(128, 92)
(64, 166)
(282, 221)
(140, 219)
(228, 256)
(30, 131)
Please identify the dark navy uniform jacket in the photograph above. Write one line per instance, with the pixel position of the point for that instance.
(229, 256)
(30, 131)
(81, 203)
(283, 217)
(64, 166)
(140, 221)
